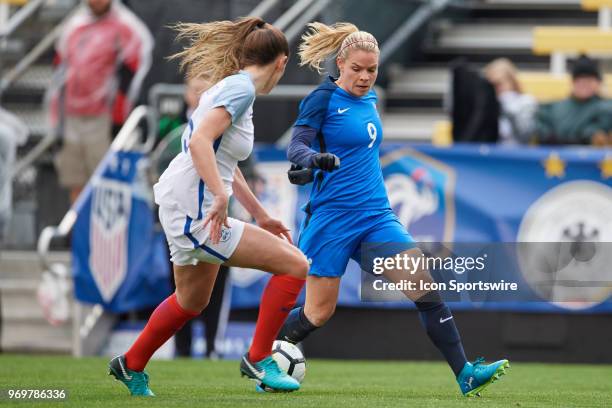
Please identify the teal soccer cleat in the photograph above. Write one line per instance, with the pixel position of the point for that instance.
(267, 375)
(136, 381)
(476, 376)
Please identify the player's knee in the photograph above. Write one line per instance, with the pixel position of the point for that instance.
(193, 302)
(421, 272)
(203, 304)
(198, 306)
(422, 275)
(299, 266)
(321, 314)
(415, 252)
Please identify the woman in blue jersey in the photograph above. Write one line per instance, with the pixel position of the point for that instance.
(241, 58)
(338, 132)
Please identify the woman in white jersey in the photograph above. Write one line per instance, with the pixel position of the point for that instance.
(242, 58)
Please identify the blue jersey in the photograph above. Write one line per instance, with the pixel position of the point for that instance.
(349, 127)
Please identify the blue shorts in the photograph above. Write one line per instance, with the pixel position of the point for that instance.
(329, 238)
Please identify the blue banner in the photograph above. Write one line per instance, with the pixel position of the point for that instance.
(120, 257)
(467, 194)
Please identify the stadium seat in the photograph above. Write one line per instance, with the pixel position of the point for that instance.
(546, 87)
(604, 8)
(547, 40)
(443, 133)
(560, 42)
(595, 5)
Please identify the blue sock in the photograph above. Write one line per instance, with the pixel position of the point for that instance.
(297, 327)
(438, 321)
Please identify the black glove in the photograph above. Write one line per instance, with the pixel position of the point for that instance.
(299, 175)
(326, 161)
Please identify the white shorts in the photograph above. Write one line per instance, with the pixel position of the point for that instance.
(190, 243)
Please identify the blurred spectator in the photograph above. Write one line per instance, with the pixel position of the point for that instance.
(582, 118)
(102, 57)
(171, 127)
(517, 110)
(474, 106)
(13, 132)
(194, 89)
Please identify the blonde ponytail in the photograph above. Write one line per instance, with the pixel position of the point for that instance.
(217, 49)
(322, 41)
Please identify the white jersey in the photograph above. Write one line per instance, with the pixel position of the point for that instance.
(180, 186)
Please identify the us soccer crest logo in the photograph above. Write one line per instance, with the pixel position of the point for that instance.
(110, 215)
(420, 191)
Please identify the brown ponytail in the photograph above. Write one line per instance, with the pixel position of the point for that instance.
(220, 48)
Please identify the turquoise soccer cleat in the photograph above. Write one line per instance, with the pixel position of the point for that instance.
(476, 376)
(267, 375)
(136, 381)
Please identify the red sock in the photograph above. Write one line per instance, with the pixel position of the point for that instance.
(165, 320)
(276, 303)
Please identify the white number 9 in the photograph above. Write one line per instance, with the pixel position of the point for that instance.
(372, 133)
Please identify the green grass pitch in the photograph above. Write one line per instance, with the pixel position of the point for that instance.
(354, 384)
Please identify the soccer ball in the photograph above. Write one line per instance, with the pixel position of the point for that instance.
(289, 359)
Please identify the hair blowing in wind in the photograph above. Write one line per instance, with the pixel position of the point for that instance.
(322, 41)
(216, 49)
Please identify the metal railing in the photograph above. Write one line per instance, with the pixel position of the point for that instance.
(20, 17)
(292, 13)
(34, 54)
(263, 8)
(127, 139)
(17, 71)
(307, 16)
(410, 26)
